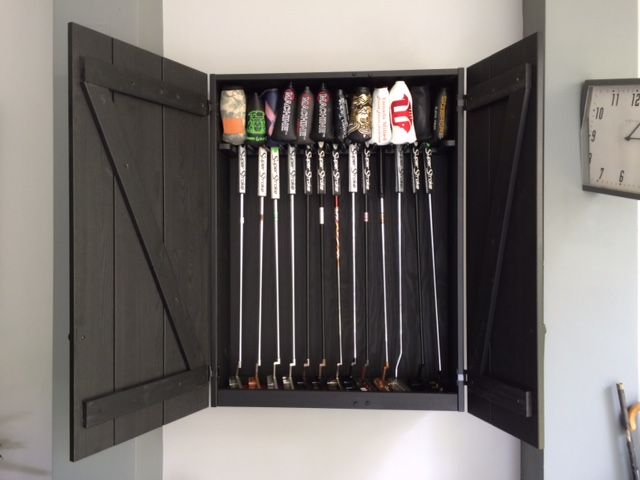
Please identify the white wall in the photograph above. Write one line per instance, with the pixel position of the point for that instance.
(253, 36)
(138, 22)
(591, 252)
(26, 238)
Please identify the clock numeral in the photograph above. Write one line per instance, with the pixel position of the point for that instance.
(599, 111)
(593, 135)
(601, 173)
(615, 97)
(635, 100)
(621, 178)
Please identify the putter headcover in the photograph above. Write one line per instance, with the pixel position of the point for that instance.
(341, 116)
(421, 99)
(360, 119)
(285, 129)
(402, 129)
(305, 117)
(323, 117)
(380, 121)
(233, 105)
(256, 122)
(270, 98)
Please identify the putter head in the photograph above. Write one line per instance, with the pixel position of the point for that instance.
(272, 382)
(334, 384)
(381, 383)
(397, 385)
(254, 382)
(362, 383)
(235, 383)
(288, 383)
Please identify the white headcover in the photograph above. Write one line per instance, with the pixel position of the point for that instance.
(380, 122)
(401, 113)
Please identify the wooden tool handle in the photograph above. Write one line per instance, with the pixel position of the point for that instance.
(633, 416)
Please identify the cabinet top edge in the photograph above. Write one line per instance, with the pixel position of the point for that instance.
(339, 75)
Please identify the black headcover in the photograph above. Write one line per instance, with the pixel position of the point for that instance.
(341, 116)
(323, 117)
(256, 121)
(305, 117)
(285, 129)
(421, 97)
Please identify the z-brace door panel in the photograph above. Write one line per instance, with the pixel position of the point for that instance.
(503, 262)
(140, 265)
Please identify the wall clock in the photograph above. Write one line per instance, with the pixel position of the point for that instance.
(610, 137)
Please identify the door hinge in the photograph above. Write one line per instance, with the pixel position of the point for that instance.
(462, 102)
(209, 107)
(464, 377)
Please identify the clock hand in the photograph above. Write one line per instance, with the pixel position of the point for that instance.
(628, 137)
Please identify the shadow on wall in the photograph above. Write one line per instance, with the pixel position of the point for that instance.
(7, 446)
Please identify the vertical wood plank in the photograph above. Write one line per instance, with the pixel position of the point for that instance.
(92, 191)
(187, 184)
(138, 308)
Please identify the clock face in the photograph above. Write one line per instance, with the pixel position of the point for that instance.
(611, 138)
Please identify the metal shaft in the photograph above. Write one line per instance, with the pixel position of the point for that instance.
(322, 188)
(262, 193)
(242, 170)
(429, 188)
(336, 213)
(275, 195)
(384, 261)
(291, 162)
(415, 175)
(260, 275)
(353, 188)
(399, 191)
(399, 281)
(366, 187)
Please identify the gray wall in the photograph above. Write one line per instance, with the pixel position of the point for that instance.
(26, 238)
(140, 23)
(590, 251)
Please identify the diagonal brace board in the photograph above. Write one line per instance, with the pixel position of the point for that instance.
(135, 84)
(142, 217)
(515, 85)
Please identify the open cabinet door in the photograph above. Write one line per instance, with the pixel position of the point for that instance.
(140, 241)
(503, 241)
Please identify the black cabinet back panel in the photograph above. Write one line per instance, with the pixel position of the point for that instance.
(445, 202)
(120, 337)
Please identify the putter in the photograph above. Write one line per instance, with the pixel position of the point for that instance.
(236, 382)
(381, 135)
(341, 118)
(403, 132)
(287, 381)
(363, 383)
(322, 190)
(274, 157)
(232, 111)
(421, 100)
(285, 132)
(254, 382)
(308, 178)
(322, 131)
(335, 383)
(359, 132)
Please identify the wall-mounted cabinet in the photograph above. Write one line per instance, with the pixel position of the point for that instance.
(155, 326)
